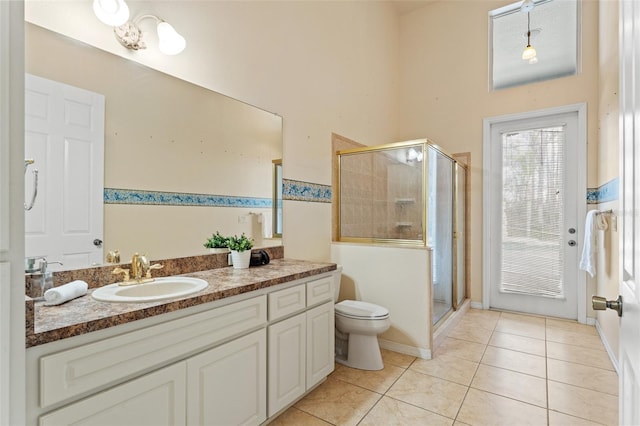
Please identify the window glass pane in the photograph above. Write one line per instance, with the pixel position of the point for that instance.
(532, 212)
(554, 30)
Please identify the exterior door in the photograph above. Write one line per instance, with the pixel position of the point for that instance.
(629, 361)
(533, 203)
(64, 135)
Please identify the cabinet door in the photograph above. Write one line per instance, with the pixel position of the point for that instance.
(287, 347)
(320, 343)
(155, 399)
(227, 385)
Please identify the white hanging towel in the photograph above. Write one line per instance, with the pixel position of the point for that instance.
(593, 224)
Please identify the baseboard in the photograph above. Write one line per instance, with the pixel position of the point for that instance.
(590, 321)
(476, 305)
(607, 347)
(405, 349)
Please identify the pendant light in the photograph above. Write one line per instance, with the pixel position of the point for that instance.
(529, 52)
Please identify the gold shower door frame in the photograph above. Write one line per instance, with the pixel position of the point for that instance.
(424, 144)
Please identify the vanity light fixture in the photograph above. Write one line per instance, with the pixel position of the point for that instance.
(111, 12)
(529, 52)
(128, 33)
(169, 41)
(414, 155)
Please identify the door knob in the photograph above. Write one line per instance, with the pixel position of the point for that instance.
(97, 242)
(601, 304)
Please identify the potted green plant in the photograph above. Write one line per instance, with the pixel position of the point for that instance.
(240, 250)
(217, 243)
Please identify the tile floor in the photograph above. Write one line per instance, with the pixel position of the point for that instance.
(492, 369)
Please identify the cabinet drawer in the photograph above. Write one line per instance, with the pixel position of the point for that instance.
(158, 398)
(79, 370)
(319, 291)
(286, 302)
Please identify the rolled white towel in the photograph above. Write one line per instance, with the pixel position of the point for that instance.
(60, 294)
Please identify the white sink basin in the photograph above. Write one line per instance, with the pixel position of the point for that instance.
(158, 289)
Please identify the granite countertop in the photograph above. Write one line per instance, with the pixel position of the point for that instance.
(85, 314)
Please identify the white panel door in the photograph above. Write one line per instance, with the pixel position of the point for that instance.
(320, 343)
(64, 135)
(630, 225)
(287, 365)
(227, 385)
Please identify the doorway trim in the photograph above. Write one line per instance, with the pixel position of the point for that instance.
(487, 123)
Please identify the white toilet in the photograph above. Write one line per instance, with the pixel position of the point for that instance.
(357, 327)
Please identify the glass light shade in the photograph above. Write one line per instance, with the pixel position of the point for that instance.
(169, 41)
(529, 52)
(111, 12)
(533, 60)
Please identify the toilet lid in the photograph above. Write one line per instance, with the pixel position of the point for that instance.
(358, 309)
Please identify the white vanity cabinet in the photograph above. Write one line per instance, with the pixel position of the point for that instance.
(232, 363)
(301, 346)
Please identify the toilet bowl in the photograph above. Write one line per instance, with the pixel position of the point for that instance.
(357, 327)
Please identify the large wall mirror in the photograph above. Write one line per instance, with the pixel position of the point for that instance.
(180, 161)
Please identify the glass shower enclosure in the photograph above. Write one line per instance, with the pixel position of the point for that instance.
(408, 193)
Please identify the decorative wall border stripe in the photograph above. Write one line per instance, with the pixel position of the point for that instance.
(135, 196)
(605, 193)
(305, 191)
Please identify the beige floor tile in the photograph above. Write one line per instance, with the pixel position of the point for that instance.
(511, 384)
(584, 403)
(574, 338)
(579, 355)
(391, 412)
(447, 367)
(397, 359)
(338, 402)
(521, 325)
(584, 376)
(483, 408)
(295, 417)
(486, 320)
(517, 361)
(378, 381)
(471, 351)
(518, 343)
(571, 326)
(428, 392)
(561, 419)
(471, 333)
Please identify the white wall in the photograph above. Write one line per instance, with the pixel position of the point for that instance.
(323, 66)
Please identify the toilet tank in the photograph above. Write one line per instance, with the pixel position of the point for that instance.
(337, 276)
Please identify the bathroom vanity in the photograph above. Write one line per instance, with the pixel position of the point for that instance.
(239, 352)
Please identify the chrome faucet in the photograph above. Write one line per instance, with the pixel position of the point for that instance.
(140, 270)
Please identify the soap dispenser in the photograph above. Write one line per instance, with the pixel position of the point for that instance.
(41, 279)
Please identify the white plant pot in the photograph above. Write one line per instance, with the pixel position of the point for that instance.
(219, 250)
(241, 259)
